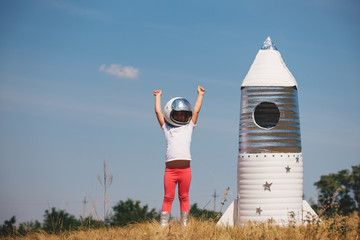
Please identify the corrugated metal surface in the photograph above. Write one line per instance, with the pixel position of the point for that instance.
(274, 137)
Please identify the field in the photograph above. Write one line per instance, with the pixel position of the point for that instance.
(332, 228)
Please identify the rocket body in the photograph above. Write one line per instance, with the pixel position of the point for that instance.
(270, 170)
(270, 163)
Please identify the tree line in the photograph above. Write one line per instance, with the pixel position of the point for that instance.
(338, 193)
(124, 213)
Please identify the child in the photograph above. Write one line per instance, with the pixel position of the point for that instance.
(177, 122)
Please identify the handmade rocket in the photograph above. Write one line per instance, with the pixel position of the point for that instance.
(270, 163)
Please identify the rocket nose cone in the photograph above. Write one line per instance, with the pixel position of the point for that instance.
(269, 69)
(268, 44)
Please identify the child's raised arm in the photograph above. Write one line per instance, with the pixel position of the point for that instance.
(159, 115)
(198, 104)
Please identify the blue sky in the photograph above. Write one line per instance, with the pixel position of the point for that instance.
(76, 83)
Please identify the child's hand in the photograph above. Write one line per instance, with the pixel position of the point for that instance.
(157, 92)
(200, 90)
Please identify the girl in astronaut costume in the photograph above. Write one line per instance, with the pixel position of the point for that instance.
(177, 122)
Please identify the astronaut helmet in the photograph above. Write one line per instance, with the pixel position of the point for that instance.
(178, 112)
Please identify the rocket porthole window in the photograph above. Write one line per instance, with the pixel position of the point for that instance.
(266, 115)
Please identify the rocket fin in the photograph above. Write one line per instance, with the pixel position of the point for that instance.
(308, 212)
(229, 216)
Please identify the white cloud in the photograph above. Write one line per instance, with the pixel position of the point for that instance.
(120, 71)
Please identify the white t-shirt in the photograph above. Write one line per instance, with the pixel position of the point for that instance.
(178, 141)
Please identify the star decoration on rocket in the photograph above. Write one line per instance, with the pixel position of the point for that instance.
(258, 210)
(288, 169)
(267, 186)
(297, 159)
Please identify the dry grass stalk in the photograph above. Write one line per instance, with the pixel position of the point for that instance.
(338, 227)
(105, 183)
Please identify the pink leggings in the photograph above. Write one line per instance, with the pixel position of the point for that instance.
(182, 177)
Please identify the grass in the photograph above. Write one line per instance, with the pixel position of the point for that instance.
(337, 227)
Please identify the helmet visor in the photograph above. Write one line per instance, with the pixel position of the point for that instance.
(181, 111)
(181, 117)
